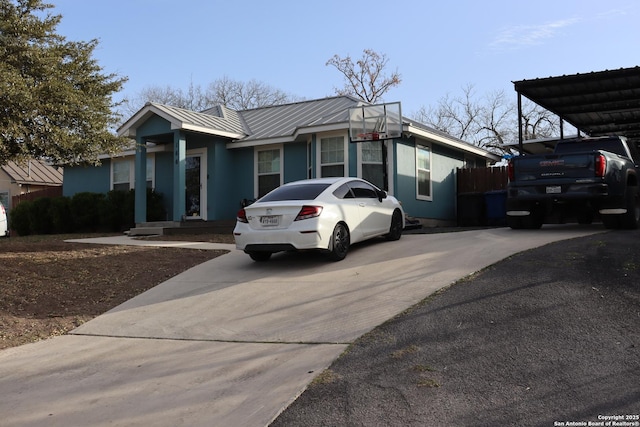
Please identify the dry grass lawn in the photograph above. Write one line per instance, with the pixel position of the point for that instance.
(49, 286)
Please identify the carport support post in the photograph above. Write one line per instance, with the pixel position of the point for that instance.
(141, 181)
(179, 175)
(520, 122)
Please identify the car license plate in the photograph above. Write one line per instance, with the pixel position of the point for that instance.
(270, 220)
(554, 189)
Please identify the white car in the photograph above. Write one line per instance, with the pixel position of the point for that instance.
(326, 213)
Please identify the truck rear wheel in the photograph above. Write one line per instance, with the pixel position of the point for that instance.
(631, 218)
(515, 222)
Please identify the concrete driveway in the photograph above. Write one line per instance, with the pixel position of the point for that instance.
(232, 342)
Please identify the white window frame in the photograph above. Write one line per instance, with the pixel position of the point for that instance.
(345, 145)
(202, 153)
(390, 163)
(257, 174)
(427, 147)
(151, 167)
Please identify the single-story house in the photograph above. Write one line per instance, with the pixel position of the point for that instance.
(28, 177)
(206, 164)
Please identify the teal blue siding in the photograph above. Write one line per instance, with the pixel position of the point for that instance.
(295, 161)
(155, 125)
(405, 179)
(94, 179)
(443, 176)
(443, 166)
(314, 160)
(241, 177)
(353, 160)
(223, 201)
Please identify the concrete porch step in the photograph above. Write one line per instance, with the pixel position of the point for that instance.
(161, 228)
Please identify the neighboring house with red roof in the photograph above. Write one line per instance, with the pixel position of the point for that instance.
(21, 178)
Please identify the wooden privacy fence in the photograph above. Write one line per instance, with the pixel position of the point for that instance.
(482, 196)
(47, 192)
(481, 180)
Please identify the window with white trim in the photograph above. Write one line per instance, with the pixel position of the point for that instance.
(332, 156)
(423, 172)
(123, 173)
(269, 170)
(372, 162)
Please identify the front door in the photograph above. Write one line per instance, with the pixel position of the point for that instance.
(195, 186)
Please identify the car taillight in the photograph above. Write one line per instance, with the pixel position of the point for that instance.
(242, 216)
(510, 172)
(309, 212)
(600, 165)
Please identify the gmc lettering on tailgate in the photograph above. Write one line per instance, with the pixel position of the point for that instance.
(549, 163)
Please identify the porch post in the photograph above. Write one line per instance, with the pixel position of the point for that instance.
(140, 181)
(179, 173)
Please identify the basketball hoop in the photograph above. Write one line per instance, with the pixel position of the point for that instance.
(375, 122)
(369, 136)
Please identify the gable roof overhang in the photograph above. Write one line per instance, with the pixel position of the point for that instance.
(181, 119)
(445, 139)
(597, 104)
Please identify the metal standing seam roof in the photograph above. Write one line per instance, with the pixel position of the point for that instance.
(34, 172)
(598, 103)
(277, 122)
(284, 120)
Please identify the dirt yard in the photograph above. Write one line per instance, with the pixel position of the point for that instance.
(49, 287)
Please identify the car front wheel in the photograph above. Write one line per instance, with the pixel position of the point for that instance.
(395, 230)
(340, 241)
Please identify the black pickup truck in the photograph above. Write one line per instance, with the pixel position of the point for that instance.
(583, 180)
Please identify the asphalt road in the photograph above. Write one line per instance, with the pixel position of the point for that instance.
(547, 337)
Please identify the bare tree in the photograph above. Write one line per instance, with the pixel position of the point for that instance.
(192, 99)
(538, 122)
(246, 95)
(490, 122)
(365, 78)
(231, 93)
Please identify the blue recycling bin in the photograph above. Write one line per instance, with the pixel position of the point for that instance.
(496, 207)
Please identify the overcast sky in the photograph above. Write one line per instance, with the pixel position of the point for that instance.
(438, 47)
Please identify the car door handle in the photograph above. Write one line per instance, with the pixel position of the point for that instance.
(362, 204)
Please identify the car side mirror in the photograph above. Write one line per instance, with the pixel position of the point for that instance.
(381, 195)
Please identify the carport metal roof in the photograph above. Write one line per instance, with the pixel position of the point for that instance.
(597, 103)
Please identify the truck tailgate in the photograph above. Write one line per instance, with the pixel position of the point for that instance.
(554, 166)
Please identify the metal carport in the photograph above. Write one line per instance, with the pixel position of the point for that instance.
(597, 103)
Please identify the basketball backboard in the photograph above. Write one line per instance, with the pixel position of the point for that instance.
(375, 122)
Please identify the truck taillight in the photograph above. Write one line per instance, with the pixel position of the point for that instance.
(510, 171)
(600, 165)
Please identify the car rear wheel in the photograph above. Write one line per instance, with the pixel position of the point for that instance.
(260, 256)
(395, 230)
(340, 242)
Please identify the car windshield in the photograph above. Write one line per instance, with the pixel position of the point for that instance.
(295, 192)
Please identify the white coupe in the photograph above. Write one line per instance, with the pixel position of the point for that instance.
(328, 214)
